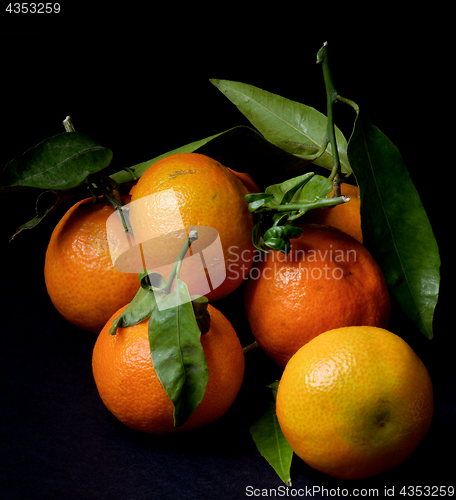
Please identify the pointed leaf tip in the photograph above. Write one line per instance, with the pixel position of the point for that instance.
(270, 441)
(177, 353)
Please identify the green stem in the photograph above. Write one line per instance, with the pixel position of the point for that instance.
(113, 198)
(131, 172)
(321, 203)
(109, 189)
(336, 185)
(68, 124)
(175, 271)
(317, 155)
(349, 102)
(331, 97)
(251, 347)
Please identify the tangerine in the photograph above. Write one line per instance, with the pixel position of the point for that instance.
(327, 280)
(355, 402)
(187, 190)
(247, 180)
(244, 177)
(345, 216)
(129, 387)
(80, 278)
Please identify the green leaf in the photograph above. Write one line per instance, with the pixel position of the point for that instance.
(298, 129)
(151, 280)
(318, 187)
(142, 304)
(177, 353)
(257, 238)
(271, 442)
(257, 200)
(284, 203)
(60, 197)
(140, 168)
(278, 237)
(394, 223)
(32, 222)
(303, 206)
(59, 162)
(39, 216)
(233, 143)
(285, 191)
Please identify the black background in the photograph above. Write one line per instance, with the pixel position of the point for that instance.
(143, 90)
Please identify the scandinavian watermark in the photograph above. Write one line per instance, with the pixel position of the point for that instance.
(150, 233)
(153, 237)
(315, 264)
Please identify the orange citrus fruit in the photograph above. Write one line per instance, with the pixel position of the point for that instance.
(192, 190)
(130, 389)
(80, 277)
(244, 177)
(345, 216)
(247, 180)
(327, 280)
(355, 402)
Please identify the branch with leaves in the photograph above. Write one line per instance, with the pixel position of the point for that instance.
(281, 204)
(290, 135)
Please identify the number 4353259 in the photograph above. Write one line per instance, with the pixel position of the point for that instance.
(33, 8)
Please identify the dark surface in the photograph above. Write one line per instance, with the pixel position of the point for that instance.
(57, 439)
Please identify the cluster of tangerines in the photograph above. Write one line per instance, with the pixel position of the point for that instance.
(353, 401)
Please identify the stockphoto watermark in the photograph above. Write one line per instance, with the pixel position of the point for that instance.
(316, 491)
(311, 492)
(330, 263)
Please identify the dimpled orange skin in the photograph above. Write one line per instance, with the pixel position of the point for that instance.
(355, 402)
(328, 280)
(346, 217)
(208, 194)
(79, 275)
(130, 389)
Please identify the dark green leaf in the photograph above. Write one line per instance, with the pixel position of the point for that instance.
(271, 442)
(285, 232)
(60, 162)
(298, 129)
(59, 197)
(257, 239)
(276, 244)
(278, 237)
(395, 226)
(177, 353)
(32, 222)
(39, 216)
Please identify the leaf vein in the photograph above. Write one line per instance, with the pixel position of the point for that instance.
(391, 231)
(275, 115)
(52, 167)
